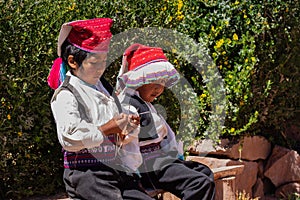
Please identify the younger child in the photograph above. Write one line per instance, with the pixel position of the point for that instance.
(144, 73)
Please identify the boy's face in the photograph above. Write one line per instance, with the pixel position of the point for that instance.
(150, 91)
(92, 68)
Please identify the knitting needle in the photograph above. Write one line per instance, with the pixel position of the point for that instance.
(144, 113)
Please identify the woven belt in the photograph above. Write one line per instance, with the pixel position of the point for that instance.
(150, 147)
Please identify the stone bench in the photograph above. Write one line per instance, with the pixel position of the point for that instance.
(224, 180)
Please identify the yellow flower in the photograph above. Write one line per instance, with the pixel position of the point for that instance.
(253, 59)
(232, 130)
(225, 62)
(219, 43)
(8, 117)
(226, 23)
(213, 29)
(245, 16)
(174, 50)
(170, 18)
(180, 5)
(235, 37)
(220, 67)
(72, 7)
(20, 134)
(180, 17)
(236, 2)
(230, 76)
(202, 96)
(246, 60)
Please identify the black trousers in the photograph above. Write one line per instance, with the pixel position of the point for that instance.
(187, 180)
(103, 183)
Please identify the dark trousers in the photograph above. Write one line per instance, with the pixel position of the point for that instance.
(102, 183)
(187, 180)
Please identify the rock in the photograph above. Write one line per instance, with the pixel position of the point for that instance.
(255, 148)
(283, 166)
(247, 179)
(225, 188)
(249, 148)
(258, 189)
(269, 187)
(227, 171)
(287, 190)
(244, 181)
(261, 164)
(208, 161)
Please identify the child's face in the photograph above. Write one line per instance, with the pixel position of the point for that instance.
(150, 91)
(92, 68)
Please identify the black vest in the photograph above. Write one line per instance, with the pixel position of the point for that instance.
(148, 130)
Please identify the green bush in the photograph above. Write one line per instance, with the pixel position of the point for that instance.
(254, 44)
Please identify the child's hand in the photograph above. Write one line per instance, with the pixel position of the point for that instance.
(115, 125)
(133, 122)
(135, 119)
(121, 124)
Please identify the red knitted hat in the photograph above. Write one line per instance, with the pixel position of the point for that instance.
(143, 65)
(138, 55)
(92, 35)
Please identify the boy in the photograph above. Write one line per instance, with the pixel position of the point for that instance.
(144, 73)
(87, 116)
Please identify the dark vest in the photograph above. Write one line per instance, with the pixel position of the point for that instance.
(148, 130)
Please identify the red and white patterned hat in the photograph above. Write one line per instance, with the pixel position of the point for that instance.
(143, 65)
(92, 35)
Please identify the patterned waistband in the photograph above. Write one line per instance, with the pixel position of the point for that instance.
(88, 158)
(150, 147)
(92, 157)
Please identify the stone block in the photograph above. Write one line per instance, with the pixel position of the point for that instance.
(283, 166)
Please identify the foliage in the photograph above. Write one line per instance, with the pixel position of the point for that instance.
(253, 44)
(244, 196)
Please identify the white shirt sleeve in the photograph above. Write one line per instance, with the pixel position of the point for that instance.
(73, 132)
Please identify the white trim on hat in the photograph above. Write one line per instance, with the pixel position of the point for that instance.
(63, 34)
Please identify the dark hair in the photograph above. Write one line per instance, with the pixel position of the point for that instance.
(69, 49)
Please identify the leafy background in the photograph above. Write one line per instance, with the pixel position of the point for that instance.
(254, 44)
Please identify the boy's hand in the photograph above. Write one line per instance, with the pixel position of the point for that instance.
(121, 124)
(132, 123)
